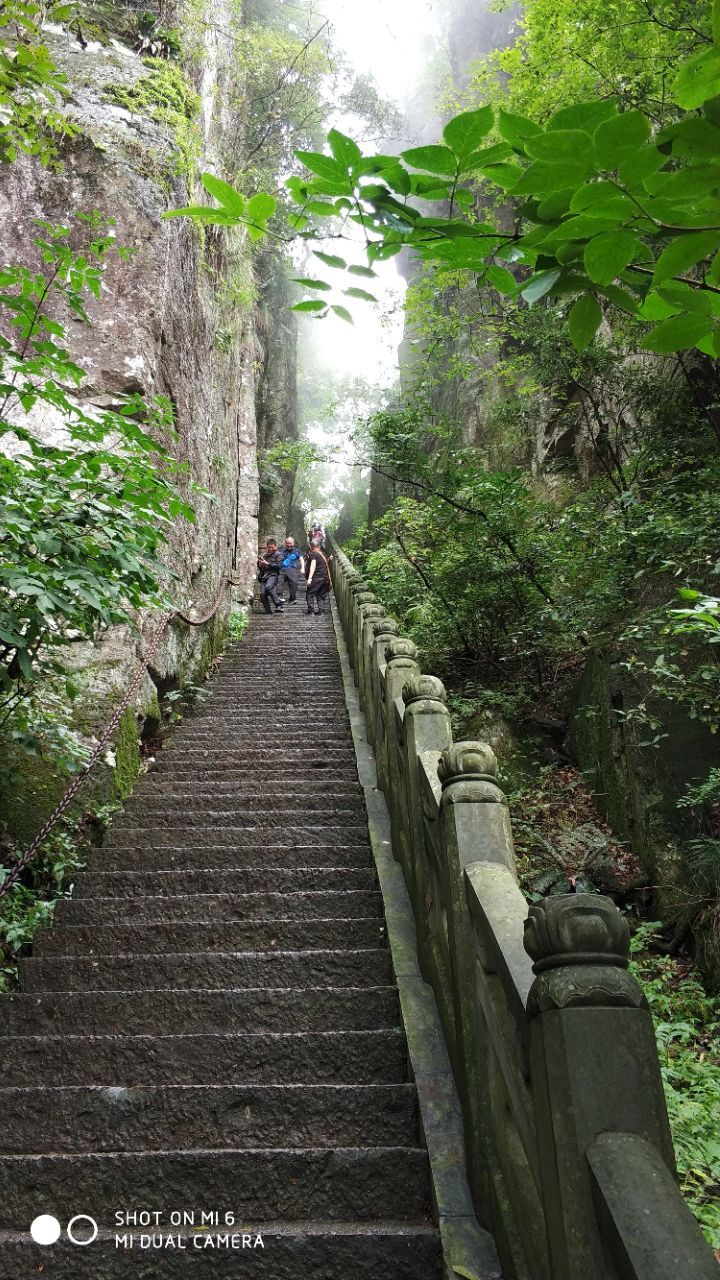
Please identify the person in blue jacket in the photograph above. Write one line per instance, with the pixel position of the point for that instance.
(292, 565)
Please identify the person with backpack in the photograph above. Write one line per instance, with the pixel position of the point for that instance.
(268, 575)
(292, 565)
(319, 580)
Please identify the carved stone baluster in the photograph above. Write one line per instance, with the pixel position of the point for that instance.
(593, 1062)
(368, 614)
(475, 826)
(383, 633)
(427, 734)
(400, 666)
(360, 596)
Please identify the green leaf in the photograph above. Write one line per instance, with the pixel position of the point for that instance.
(584, 321)
(320, 209)
(362, 271)
(203, 213)
(324, 167)
(584, 115)
(311, 284)
(330, 259)
(684, 252)
(463, 133)
(602, 193)
(359, 293)
(516, 129)
(312, 304)
(692, 138)
(698, 79)
(226, 195)
(677, 334)
(543, 176)
(540, 284)
(346, 152)
(343, 313)
(261, 206)
(559, 145)
(619, 137)
(431, 159)
(501, 279)
(607, 255)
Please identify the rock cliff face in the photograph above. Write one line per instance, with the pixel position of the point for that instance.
(178, 318)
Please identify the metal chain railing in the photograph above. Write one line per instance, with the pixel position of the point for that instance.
(109, 733)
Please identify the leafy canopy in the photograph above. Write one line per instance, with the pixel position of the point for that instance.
(608, 211)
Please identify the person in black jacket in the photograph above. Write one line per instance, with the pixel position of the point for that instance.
(319, 581)
(268, 573)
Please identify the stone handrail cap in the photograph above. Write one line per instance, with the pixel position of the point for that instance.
(423, 687)
(400, 647)
(576, 929)
(386, 627)
(466, 762)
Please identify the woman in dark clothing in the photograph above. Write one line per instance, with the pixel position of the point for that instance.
(319, 581)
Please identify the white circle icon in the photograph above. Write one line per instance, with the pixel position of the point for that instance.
(82, 1217)
(45, 1229)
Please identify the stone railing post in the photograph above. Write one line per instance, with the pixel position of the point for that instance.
(474, 827)
(594, 1067)
(369, 614)
(427, 734)
(400, 666)
(383, 632)
(360, 595)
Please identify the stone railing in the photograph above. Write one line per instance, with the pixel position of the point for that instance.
(550, 1037)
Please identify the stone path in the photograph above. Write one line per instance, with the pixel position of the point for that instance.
(213, 1023)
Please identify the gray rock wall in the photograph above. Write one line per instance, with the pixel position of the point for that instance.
(171, 321)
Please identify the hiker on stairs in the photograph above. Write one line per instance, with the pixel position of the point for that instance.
(268, 575)
(292, 565)
(319, 580)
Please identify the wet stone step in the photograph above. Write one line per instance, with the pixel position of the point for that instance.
(377, 1250)
(234, 856)
(252, 879)
(252, 1009)
(343, 1183)
(184, 938)
(313, 1057)
(197, 807)
(350, 904)
(216, 970)
(161, 1117)
(223, 832)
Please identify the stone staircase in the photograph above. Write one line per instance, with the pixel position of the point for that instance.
(213, 1025)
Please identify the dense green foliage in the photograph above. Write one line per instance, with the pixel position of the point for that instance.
(687, 1028)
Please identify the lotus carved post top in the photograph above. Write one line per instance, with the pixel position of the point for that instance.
(371, 610)
(467, 762)
(424, 689)
(385, 627)
(579, 944)
(363, 597)
(400, 650)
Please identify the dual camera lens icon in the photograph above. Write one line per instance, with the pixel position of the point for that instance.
(80, 1230)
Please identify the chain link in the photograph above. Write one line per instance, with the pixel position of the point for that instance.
(108, 735)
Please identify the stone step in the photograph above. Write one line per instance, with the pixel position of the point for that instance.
(158, 784)
(159, 1117)
(169, 774)
(346, 1183)
(297, 1250)
(214, 970)
(233, 856)
(251, 1009)
(205, 936)
(350, 904)
(256, 835)
(196, 808)
(304, 1057)
(253, 879)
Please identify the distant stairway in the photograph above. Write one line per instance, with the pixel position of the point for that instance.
(213, 1025)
